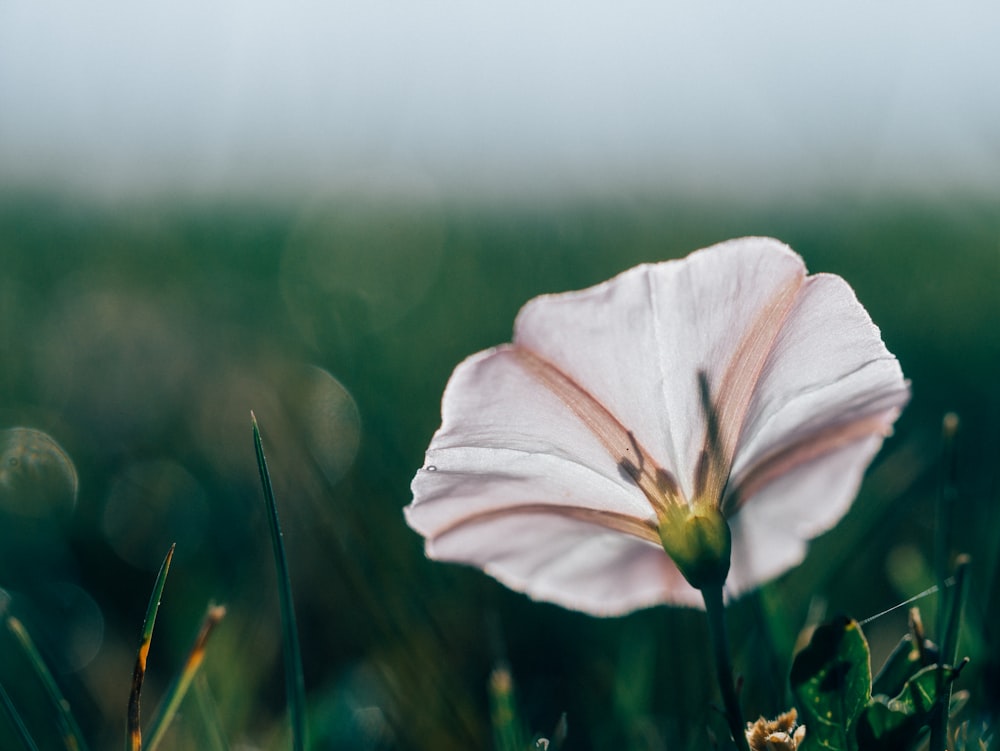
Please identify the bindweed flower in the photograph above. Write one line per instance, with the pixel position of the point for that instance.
(680, 425)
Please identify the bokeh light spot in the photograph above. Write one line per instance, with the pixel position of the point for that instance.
(907, 569)
(150, 506)
(65, 621)
(79, 615)
(328, 418)
(37, 477)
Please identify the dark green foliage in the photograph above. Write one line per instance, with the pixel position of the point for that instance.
(900, 722)
(903, 662)
(831, 680)
(132, 333)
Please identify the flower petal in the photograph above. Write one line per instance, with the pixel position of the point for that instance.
(567, 561)
(506, 439)
(770, 533)
(512, 463)
(828, 383)
(638, 342)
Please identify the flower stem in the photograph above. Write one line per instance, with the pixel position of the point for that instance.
(949, 604)
(716, 611)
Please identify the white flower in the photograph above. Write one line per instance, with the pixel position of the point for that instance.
(563, 456)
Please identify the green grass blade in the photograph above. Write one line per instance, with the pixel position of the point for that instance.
(216, 740)
(947, 497)
(15, 718)
(955, 608)
(133, 734)
(294, 679)
(175, 694)
(950, 607)
(68, 727)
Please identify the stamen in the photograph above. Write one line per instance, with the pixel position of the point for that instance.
(701, 471)
(711, 472)
(661, 490)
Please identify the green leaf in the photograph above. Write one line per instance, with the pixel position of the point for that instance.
(902, 664)
(897, 723)
(831, 680)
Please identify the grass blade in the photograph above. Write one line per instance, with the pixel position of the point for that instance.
(16, 721)
(949, 608)
(175, 694)
(216, 740)
(68, 727)
(294, 680)
(133, 735)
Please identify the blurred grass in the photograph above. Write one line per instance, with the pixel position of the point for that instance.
(139, 336)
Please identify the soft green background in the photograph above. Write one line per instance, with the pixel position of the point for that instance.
(139, 335)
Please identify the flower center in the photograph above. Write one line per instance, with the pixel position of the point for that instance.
(698, 540)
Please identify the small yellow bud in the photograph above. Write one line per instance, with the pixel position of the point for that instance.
(699, 541)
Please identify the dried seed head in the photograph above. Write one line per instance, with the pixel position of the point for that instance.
(779, 734)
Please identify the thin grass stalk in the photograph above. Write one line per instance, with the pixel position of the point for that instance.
(179, 688)
(68, 728)
(946, 617)
(209, 714)
(294, 679)
(133, 730)
(948, 653)
(15, 718)
(946, 497)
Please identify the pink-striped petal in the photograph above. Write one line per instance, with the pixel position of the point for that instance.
(829, 382)
(573, 562)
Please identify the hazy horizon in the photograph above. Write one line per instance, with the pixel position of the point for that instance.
(114, 98)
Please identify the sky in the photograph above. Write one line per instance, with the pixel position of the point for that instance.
(206, 97)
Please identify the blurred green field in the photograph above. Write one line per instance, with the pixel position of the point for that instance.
(140, 336)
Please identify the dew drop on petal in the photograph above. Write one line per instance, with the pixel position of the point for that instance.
(431, 468)
(37, 477)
